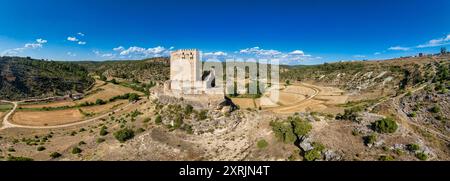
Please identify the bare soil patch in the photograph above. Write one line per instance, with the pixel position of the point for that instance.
(47, 118)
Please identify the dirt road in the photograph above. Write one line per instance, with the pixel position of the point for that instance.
(298, 104)
(6, 124)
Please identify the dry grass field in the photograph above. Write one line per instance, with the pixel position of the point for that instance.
(47, 118)
(105, 108)
(308, 98)
(245, 103)
(110, 90)
(50, 104)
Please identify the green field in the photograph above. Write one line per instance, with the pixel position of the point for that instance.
(5, 107)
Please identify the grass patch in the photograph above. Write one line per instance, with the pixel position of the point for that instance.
(262, 144)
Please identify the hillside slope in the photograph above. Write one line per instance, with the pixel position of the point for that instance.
(26, 78)
(153, 69)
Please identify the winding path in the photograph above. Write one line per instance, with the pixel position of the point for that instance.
(7, 124)
(299, 103)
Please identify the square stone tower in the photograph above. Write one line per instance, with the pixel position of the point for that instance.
(185, 69)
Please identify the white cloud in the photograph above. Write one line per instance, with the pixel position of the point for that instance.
(135, 52)
(377, 53)
(292, 57)
(15, 51)
(41, 41)
(139, 51)
(33, 45)
(219, 53)
(436, 42)
(71, 54)
(81, 34)
(399, 48)
(297, 52)
(72, 38)
(259, 51)
(119, 49)
(104, 55)
(359, 56)
(81, 43)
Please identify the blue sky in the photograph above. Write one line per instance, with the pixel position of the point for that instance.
(297, 32)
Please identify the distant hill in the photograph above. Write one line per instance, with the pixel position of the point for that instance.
(153, 69)
(22, 78)
(370, 76)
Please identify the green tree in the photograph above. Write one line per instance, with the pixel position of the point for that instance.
(124, 135)
(386, 125)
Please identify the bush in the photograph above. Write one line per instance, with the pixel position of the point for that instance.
(283, 131)
(413, 147)
(76, 150)
(124, 135)
(40, 148)
(100, 140)
(349, 114)
(301, 127)
(100, 102)
(386, 158)
(103, 131)
(315, 153)
(262, 144)
(291, 129)
(368, 140)
(386, 125)
(55, 155)
(11, 149)
(158, 119)
(133, 97)
(435, 109)
(413, 114)
(421, 156)
(203, 115)
(81, 143)
(188, 109)
(140, 130)
(19, 158)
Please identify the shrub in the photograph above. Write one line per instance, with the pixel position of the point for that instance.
(188, 109)
(76, 150)
(158, 119)
(124, 135)
(368, 140)
(413, 147)
(315, 153)
(421, 156)
(349, 114)
(435, 109)
(55, 155)
(19, 158)
(146, 120)
(262, 144)
(100, 102)
(301, 127)
(386, 125)
(40, 148)
(291, 129)
(203, 115)
(81, 143)
(103, 131)
(413, 114)
(100, 140)
(140, 130)
(386, 158)
(133, 97)
(11, 149)
(283, 131)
